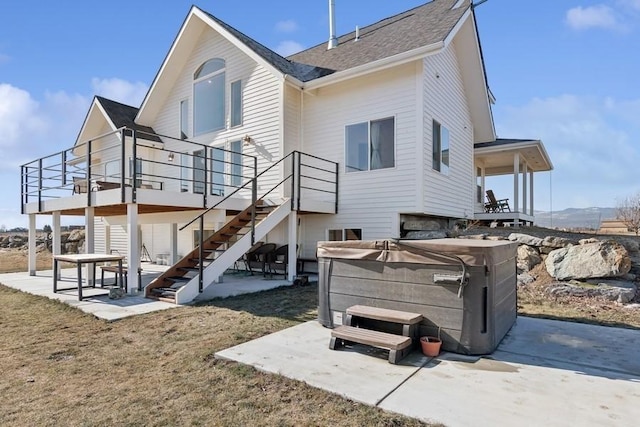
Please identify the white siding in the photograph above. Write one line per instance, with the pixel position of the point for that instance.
(261, 106)
(370, 200)
(445, 101)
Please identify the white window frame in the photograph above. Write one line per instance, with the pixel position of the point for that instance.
(200, 79)
(441, 142)
(183, 125)
(343, 233)
(236, 103)
(369, 144)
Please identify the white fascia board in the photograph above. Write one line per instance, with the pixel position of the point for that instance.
(92, 110)
(488, 95)
(535, 143)
(379, 65)
(165, 63)
(243, 47)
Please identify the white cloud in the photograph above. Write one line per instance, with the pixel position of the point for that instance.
(120, 90)
(288, 26)
(289, 47)
(633, 4)
(18, 116)
(597, 16)
(593, 144)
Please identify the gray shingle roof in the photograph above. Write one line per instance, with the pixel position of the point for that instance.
(422, 26)
(123, 115)
(415, 28)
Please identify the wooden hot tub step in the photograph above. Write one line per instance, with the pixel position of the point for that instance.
(397, 345)
(409, 321)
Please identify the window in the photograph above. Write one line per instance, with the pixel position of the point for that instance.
(440, 148)
(209, 97)
(236, 163)
(346, 234)
(199, 163)
(112, 171)
(184, 173)
(184, 119)
(138, 172)
(236, 103)
(217, 171)
(370, 145)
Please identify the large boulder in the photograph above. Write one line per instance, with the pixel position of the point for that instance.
(528, 258)
(76, 235)
(612, 290)
(602, 259)
(556, 242)
(427, 235)
(525, 239)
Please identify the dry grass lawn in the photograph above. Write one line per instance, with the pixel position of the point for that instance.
(13, 260)
(63, 367)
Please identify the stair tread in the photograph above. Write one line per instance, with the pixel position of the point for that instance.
(384, 314)
(371, 337)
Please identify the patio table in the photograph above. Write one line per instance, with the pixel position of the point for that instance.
(79, 260)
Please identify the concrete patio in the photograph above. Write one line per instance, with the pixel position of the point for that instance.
(545, 372)
(97, 303)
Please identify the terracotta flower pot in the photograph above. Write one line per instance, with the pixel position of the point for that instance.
(430, 346)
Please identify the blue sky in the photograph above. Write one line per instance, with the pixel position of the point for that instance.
(562, 71)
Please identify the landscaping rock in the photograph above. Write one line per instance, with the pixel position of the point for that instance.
(602, 259)
(525, 239)
(528, 257)
(76, 236)
(426, 235)
(556, 242)
(496, 238)
(612, 290)
(474, 236)
(421, 225)
(525, 279)
(589, 240)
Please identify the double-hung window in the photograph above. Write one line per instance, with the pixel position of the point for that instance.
(209, 97)
(440, 148)
(370, 145)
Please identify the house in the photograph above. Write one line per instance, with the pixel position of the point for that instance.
(614, 226)
(234, 144)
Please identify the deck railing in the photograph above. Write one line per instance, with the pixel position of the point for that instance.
(161, 163)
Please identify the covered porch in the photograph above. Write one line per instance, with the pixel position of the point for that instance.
(520, 158)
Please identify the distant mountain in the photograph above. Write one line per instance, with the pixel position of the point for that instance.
(575, 218)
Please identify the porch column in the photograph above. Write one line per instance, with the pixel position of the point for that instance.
(133, 248)
(107, 238)
(32, 244)
(525, 199)
(89, 239)
(516, 182)
(293, 239)
(56, 243)
(531, 193)
(173, 244)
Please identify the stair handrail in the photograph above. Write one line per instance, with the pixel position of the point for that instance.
(254, 197)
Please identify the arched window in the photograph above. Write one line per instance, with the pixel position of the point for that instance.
(209, 97)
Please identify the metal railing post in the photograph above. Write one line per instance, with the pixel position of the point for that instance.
(254, 199)
(337, 175)
(40, 185)
(201, 255)
(23, 194)
(299, 178)
(88, 177)
(134, 167)
(64, 168)
(205, 189)
(293, 182)
(123, 165)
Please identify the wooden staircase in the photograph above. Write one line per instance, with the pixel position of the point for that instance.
(165, 286)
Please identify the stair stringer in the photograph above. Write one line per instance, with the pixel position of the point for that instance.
(214, 270)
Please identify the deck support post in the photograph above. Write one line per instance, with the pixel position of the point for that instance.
(89, 240)
(32, 244)
(173, 244)
(133, 248)
(56, 243)
(516, 182)
(293, 239)
(531, 193)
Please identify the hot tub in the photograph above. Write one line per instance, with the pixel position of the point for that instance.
(465, 289)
